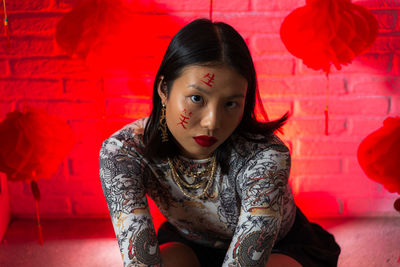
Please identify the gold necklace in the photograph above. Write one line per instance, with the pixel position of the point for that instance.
(180, 182)
(192, 174)
(191, 186)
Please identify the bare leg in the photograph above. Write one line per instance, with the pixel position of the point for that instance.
(176, 254)
(281, 260)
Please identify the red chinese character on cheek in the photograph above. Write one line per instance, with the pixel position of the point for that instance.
(210, 79)
(184, 117)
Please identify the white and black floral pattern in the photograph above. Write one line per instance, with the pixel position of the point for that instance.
(246, 210)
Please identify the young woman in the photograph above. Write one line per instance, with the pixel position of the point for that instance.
(218, 175)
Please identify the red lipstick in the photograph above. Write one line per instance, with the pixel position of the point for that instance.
(205, 140)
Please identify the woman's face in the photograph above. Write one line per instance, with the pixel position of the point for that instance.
(204, 107)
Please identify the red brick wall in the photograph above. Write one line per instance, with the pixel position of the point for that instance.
(325, 170)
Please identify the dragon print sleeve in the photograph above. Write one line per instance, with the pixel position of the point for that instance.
(262, 183)
(121, 180)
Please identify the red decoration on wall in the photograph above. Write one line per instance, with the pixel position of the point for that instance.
(103, 33)
(379, 155)
(33, 143)
(325, 32)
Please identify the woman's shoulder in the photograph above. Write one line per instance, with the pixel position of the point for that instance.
(136, 127)
(251, 144)
(128, 138)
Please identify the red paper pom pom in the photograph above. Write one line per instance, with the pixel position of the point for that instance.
(106, 35)
(379, 155)
(33, 143)
(326, 32)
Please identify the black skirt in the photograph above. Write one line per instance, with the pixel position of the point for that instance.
(306, 242)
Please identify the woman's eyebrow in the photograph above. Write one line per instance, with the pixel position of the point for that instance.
(198, 88)
(207, 92)
(236, 96)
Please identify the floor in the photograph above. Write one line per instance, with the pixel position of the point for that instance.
(364, 242)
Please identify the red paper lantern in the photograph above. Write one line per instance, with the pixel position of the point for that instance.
(325, 32)
(89, 26)
(379, 155)
(33, 143)
(107, 35)
(95, 31)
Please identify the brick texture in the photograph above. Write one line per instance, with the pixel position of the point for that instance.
(13, 89)
(140, 87)
(326, 147)
(66, 109)
(39, 67)
(128, 108)
(27, 46)
(370, 105)
(386, 19)
(379, 4)
(87, 131)
(87, 89)
(83, 162)
(382, 87)
(274, 66)
(201, 5)
(395, 106)
(380, 63)
(355, 186)
(34, 71)
(385, 43)
(300, 127)
(266, 44)
(66, 4)
(4, 68)
(288, 5)
(364, 126)
(36, 23)
(23, 5)
(233, 6)
(315, 166)
(88, 206)
(252, 22)
(297, 86)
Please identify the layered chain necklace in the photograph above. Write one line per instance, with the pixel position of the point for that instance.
(207, 174)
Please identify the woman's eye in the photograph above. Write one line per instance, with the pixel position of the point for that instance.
(196, 99)
(231, 104)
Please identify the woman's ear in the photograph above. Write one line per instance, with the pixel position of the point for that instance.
(162, 90)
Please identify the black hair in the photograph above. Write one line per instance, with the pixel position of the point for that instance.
(207, 43)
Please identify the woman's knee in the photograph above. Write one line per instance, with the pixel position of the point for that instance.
(281, 260)
(178, 255)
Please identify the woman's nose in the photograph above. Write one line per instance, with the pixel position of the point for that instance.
(211, 119)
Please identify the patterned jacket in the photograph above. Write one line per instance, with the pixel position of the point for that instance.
(245, 211)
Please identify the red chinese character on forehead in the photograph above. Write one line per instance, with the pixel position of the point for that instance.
(210, 77)
(183, 118)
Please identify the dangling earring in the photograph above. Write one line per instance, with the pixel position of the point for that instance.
(163, 125)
